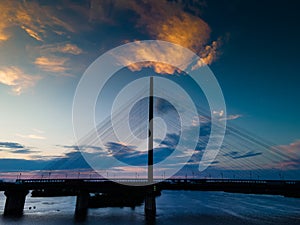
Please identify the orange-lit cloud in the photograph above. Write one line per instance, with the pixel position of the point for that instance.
(70, 49)
(148, 56)
(32, 33)
(167, 21)
(66, 48)
(179, 28)
(4, 22)
(209, 54)
(30, 16)
(17, 79)
(52, 64)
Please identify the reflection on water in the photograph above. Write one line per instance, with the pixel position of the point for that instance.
(173, 207)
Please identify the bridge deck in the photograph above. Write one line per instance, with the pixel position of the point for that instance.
(280, 187)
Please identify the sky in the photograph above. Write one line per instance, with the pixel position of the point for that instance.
(252, 47)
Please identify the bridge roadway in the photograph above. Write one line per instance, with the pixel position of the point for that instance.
(16, 191)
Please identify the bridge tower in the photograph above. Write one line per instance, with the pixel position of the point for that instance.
(150, 204)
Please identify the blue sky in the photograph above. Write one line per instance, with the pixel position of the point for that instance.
(251, 46)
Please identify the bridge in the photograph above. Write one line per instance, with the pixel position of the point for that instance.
(146, 190)
(17, 191)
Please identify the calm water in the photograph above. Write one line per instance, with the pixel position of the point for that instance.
(173, 207)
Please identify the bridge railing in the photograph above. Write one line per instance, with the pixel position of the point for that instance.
(171, 181)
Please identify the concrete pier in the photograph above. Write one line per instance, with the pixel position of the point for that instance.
(82, 203)
(14, 204)
(150, 205)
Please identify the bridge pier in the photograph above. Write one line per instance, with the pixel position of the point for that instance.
(14, 204)
(150, 205)
(82, 203)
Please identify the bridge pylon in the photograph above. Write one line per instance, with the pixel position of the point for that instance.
(150, 203)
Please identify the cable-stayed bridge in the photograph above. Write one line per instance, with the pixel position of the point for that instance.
(251, 158)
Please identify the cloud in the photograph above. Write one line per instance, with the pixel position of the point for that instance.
(219, 113)
(231, 117)
(200, 120)
(168, 56)
(74, 147)
(18, 80)
(168, 21)
(121, 150)
(32, 136)
(238, 155)
(10, 145)
(71, 160)
(85, 148)
(66, 48)
(291, 161)
(221, 116)
(15, 148)
(34, 18)
(162, 106)
(209, 54)
(52, 64)
(32, 33)
(21, 164)
(132, 156)
(23, 151)
(292, 149)
(170, 141)
(69, 49)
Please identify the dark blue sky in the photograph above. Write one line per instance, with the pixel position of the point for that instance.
(258, 68)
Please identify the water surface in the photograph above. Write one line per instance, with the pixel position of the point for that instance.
(173, 208)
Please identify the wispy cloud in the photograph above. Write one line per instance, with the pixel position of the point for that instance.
(32, 33)
(238, 155)
(15, 148)
(66, 48)
(293, 148)
(284, 157)
(17, 79)
(85, 148)
(32, 136)
(231, 117)
(23, 151)
(9, 145)
(52, 64)
(200, 120)
(221, 116)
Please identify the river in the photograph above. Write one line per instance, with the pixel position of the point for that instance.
(173, 207)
